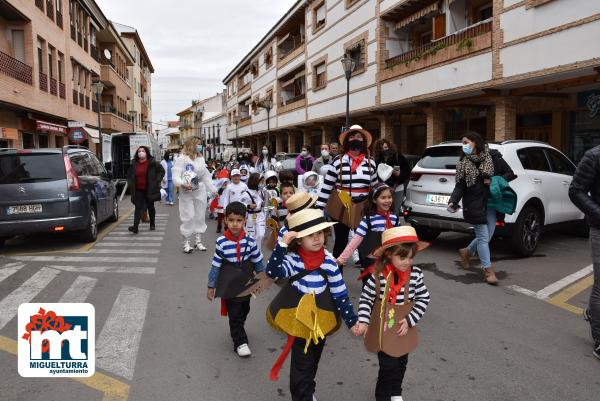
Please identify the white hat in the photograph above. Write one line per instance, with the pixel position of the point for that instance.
(235, 171)
(307, 222)
(384, 171)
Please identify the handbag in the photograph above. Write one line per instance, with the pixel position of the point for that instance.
(385, 317)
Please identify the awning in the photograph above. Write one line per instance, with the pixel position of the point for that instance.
(416, 16)
(50, 127)
(94, 134)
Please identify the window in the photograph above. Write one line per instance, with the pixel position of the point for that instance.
(319, 16)
(560, 164)
(18, 44)
(440, 157)
(485, 12)
(61, 66)
(50, 63)
(293, 87)
(533, 159)
(33, 167)
(40, 55)
(319, 75)
(269, 57)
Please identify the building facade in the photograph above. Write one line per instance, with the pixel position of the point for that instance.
(425, 71)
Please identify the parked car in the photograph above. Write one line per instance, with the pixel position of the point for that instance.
(54, 190)
(399, 193)
(543, 178)
(288, 163)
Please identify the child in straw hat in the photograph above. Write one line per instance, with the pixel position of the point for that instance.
(313, 302)
(295, 203)
(383, 293)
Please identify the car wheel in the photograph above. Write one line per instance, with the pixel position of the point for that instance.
(426, 233)
(91, 231)
(527, 231)
(115, 209)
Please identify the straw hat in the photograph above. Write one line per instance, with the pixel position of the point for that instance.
(307, 222)
(357, 128)
(399, 235)
(300, 201)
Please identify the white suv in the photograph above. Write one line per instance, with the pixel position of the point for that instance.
(542, 185)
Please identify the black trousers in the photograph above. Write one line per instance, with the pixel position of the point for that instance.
(341, 239)
(391, 376)
(142, 203)
(303, 369)
(237, 311)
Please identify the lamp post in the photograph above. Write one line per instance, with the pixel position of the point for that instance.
(97, 88)
(267, 104)
(132, 115)
(348, 63)
(236, 120)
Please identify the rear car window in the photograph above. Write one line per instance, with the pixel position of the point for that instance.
(440, 157)
(31, 167)
(533, 159)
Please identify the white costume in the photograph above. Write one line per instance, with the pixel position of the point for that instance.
(232, 193)
(192, 203)
(265, 165)
(256, 219)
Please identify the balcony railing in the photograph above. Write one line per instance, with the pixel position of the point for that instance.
(458, 38)
(40, 4)
(50, 9)
(43, 82)
(62, 90)
(281, 54)
(53, 87)
(15, 69)
(59, 19)
(75, 97)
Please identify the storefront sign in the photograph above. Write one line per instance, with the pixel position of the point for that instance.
(9, 133)
(76, 124)
(591, 101)
(77, 136)
(49, 127)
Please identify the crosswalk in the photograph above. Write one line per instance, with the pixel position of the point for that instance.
(119, 252)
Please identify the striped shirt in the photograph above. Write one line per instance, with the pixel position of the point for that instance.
(377, 224)
(284, 265)
(360, 181)
(417, 292)
(226, 250)
(282, 231)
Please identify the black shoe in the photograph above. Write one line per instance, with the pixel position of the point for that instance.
(218, 229)
(596, 351)
(133, 229)
(152, 227)
(587, 316)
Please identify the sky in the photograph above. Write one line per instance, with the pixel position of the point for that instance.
(194, 44)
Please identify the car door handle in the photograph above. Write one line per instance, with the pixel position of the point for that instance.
(566, 183)
(537, 180)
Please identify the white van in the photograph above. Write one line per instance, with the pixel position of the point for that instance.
(118, 150)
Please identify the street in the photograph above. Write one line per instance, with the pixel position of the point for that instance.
(158, 338)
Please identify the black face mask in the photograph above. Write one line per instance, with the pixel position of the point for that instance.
(356, 145)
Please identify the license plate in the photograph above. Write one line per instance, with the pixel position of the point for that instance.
(24, 209)
(437, 199)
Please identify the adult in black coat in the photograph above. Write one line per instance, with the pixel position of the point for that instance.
(386, 152)
(473, 173)
(145, 176)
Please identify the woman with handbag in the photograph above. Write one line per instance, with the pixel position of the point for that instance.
(347, 184)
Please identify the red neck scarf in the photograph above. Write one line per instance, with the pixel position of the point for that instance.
(356, 161)
(229, 235)
(387, 217)
(397, 280)
(312, 260)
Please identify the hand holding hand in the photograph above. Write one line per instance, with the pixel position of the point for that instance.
(487, 182)
(403, 328)
(289, 237)
(210, 294)
(356, 330)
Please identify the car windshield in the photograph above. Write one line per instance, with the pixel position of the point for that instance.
(31, 167)
(440, 157)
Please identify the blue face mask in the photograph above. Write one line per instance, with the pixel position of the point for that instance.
(198, 148)
(467, 149)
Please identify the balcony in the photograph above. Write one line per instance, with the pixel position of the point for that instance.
(53, 87)
(15, 69)
(462, 43)
(43, 81)
(285, 56)
(62, 90)
(111, 78)
(292, 104)
(114, 120)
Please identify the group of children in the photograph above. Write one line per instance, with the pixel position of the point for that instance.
(314, 299)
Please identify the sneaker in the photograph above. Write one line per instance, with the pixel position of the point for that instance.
(396, 398)
(490, 276)
(596, 351)
(198, 244)
(243, 351)
(314, 398)
(465, 259)
(133, 229)
(187, 248)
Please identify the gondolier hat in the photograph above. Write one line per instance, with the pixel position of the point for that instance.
(307, 222)
(399, 235)
(357, 128)
(299, 201)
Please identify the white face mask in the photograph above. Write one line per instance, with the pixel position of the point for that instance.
(142, 155)
(304, 153)
(265, 152)
(325, 153)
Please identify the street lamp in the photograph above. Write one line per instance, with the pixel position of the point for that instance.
(348, 63)
(97, 88)
(267, 104)
(236, 121)
(132, 115)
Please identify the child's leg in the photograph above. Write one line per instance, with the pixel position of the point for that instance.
(238, 310)
(303, 369)
(391, 376)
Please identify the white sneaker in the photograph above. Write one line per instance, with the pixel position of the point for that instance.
(314, 398)
(200, 246)
(396, 398)
(243, 351)
(187, 248)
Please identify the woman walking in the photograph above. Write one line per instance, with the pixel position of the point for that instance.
(167, 181)
(473, 173)
(304, 161)
(191, 175)
(145, 175)
(385, 152)
(352, 172)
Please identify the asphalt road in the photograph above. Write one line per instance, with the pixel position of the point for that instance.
(158, 338)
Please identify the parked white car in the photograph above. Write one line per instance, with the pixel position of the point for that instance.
(542, 185)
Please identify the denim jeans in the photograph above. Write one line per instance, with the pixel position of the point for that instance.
(170, 190)
(483, 235)
(595, 295)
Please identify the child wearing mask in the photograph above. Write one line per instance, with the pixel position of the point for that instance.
(254, 199)
(233, 191)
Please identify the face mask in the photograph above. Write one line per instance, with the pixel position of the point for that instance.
(325, 153)
(142, 155)
(265, 152)
(261, 187)
(170, 157)
(198, 148)
(386, 152)
(355, 144)
(467, 149)
(304, 153)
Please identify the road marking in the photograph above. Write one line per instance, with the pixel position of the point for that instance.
(139, 235)
(106, 269)
(127, 232)
(546, 292)
(113, 390)
(523, 291)
(126, 244)
(106, 231)
(561, 298)
(52, 258)
(79, 290)
(9, 269)
(119, 341)
(25, 293)
(125, 251)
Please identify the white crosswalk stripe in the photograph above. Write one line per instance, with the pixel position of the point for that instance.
(9, 269)
(123, 244)
(54, 258)
(125, 251)
(79, 290)
(106, 269)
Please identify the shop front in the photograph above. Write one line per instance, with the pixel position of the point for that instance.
(584, 125)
